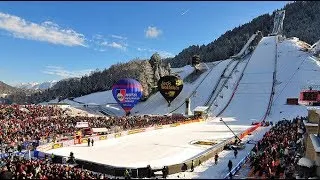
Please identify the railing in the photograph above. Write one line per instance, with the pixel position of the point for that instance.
(237, 167)
(274, 77)
(217, 84)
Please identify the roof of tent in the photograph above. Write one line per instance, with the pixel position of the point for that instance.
(201, 108)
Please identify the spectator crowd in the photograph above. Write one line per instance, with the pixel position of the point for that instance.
(19, 168)
(36, 123)
(276, 155)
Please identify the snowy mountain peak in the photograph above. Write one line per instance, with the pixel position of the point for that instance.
(36, 86)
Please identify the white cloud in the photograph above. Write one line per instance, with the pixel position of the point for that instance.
(142, 49)
(100, 43)
(114, 45)
(60, 71)
(46, 31)
(153, 32)
(118, 37)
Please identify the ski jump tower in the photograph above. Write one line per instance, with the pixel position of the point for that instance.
(278, 23)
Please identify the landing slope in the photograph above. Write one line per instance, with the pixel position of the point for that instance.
(252, 96)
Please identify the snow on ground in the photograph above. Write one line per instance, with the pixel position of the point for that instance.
(157, 148)
(204, 90)
(292, 80)
(220, 103)
(104, 97)
(208, 170)
(252, 96)
(156, 104)
(183, 71)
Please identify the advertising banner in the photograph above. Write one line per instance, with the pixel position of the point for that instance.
(158, 127)
(45, 147)
(136, 131)
(116, 135)
(68, 143)
(103, 137)
(84, 140)
(57, 145)
(82, 124)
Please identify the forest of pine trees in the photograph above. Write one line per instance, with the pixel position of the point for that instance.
(302, 20)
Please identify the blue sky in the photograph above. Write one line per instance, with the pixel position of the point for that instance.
(43, 41)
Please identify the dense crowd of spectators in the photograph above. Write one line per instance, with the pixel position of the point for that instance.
(276, 155)
(27, 123)
(19, 168)
(34, 123)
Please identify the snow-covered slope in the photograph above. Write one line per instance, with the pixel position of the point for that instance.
(183, 72)
(252, 96)
(206, 88)
(156, 104)
(296, 70)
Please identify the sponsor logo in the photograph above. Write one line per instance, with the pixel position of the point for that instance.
(158, 127)
(136, 131)
(57, 145)
(121, 94)
(102, 137)
(45, 147)
(173, 125)
(84, 140)
(117, 135)
(168, 86)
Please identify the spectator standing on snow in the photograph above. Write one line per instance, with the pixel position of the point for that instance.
(192, 166)
(184, 167)
(216, 158)
(230, 175)
(230, 165)
(88, 142)
(92, 141)
(235, 153)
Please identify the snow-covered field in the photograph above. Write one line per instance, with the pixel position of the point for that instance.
(157, 148)
(209, 170)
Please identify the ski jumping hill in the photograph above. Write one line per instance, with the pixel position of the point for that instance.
(252, 95)
(238, 89)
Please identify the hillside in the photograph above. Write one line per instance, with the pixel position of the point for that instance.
(147, 72)
(302, 20)
(6, 89)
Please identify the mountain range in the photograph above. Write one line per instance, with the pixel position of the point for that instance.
(36, 85)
